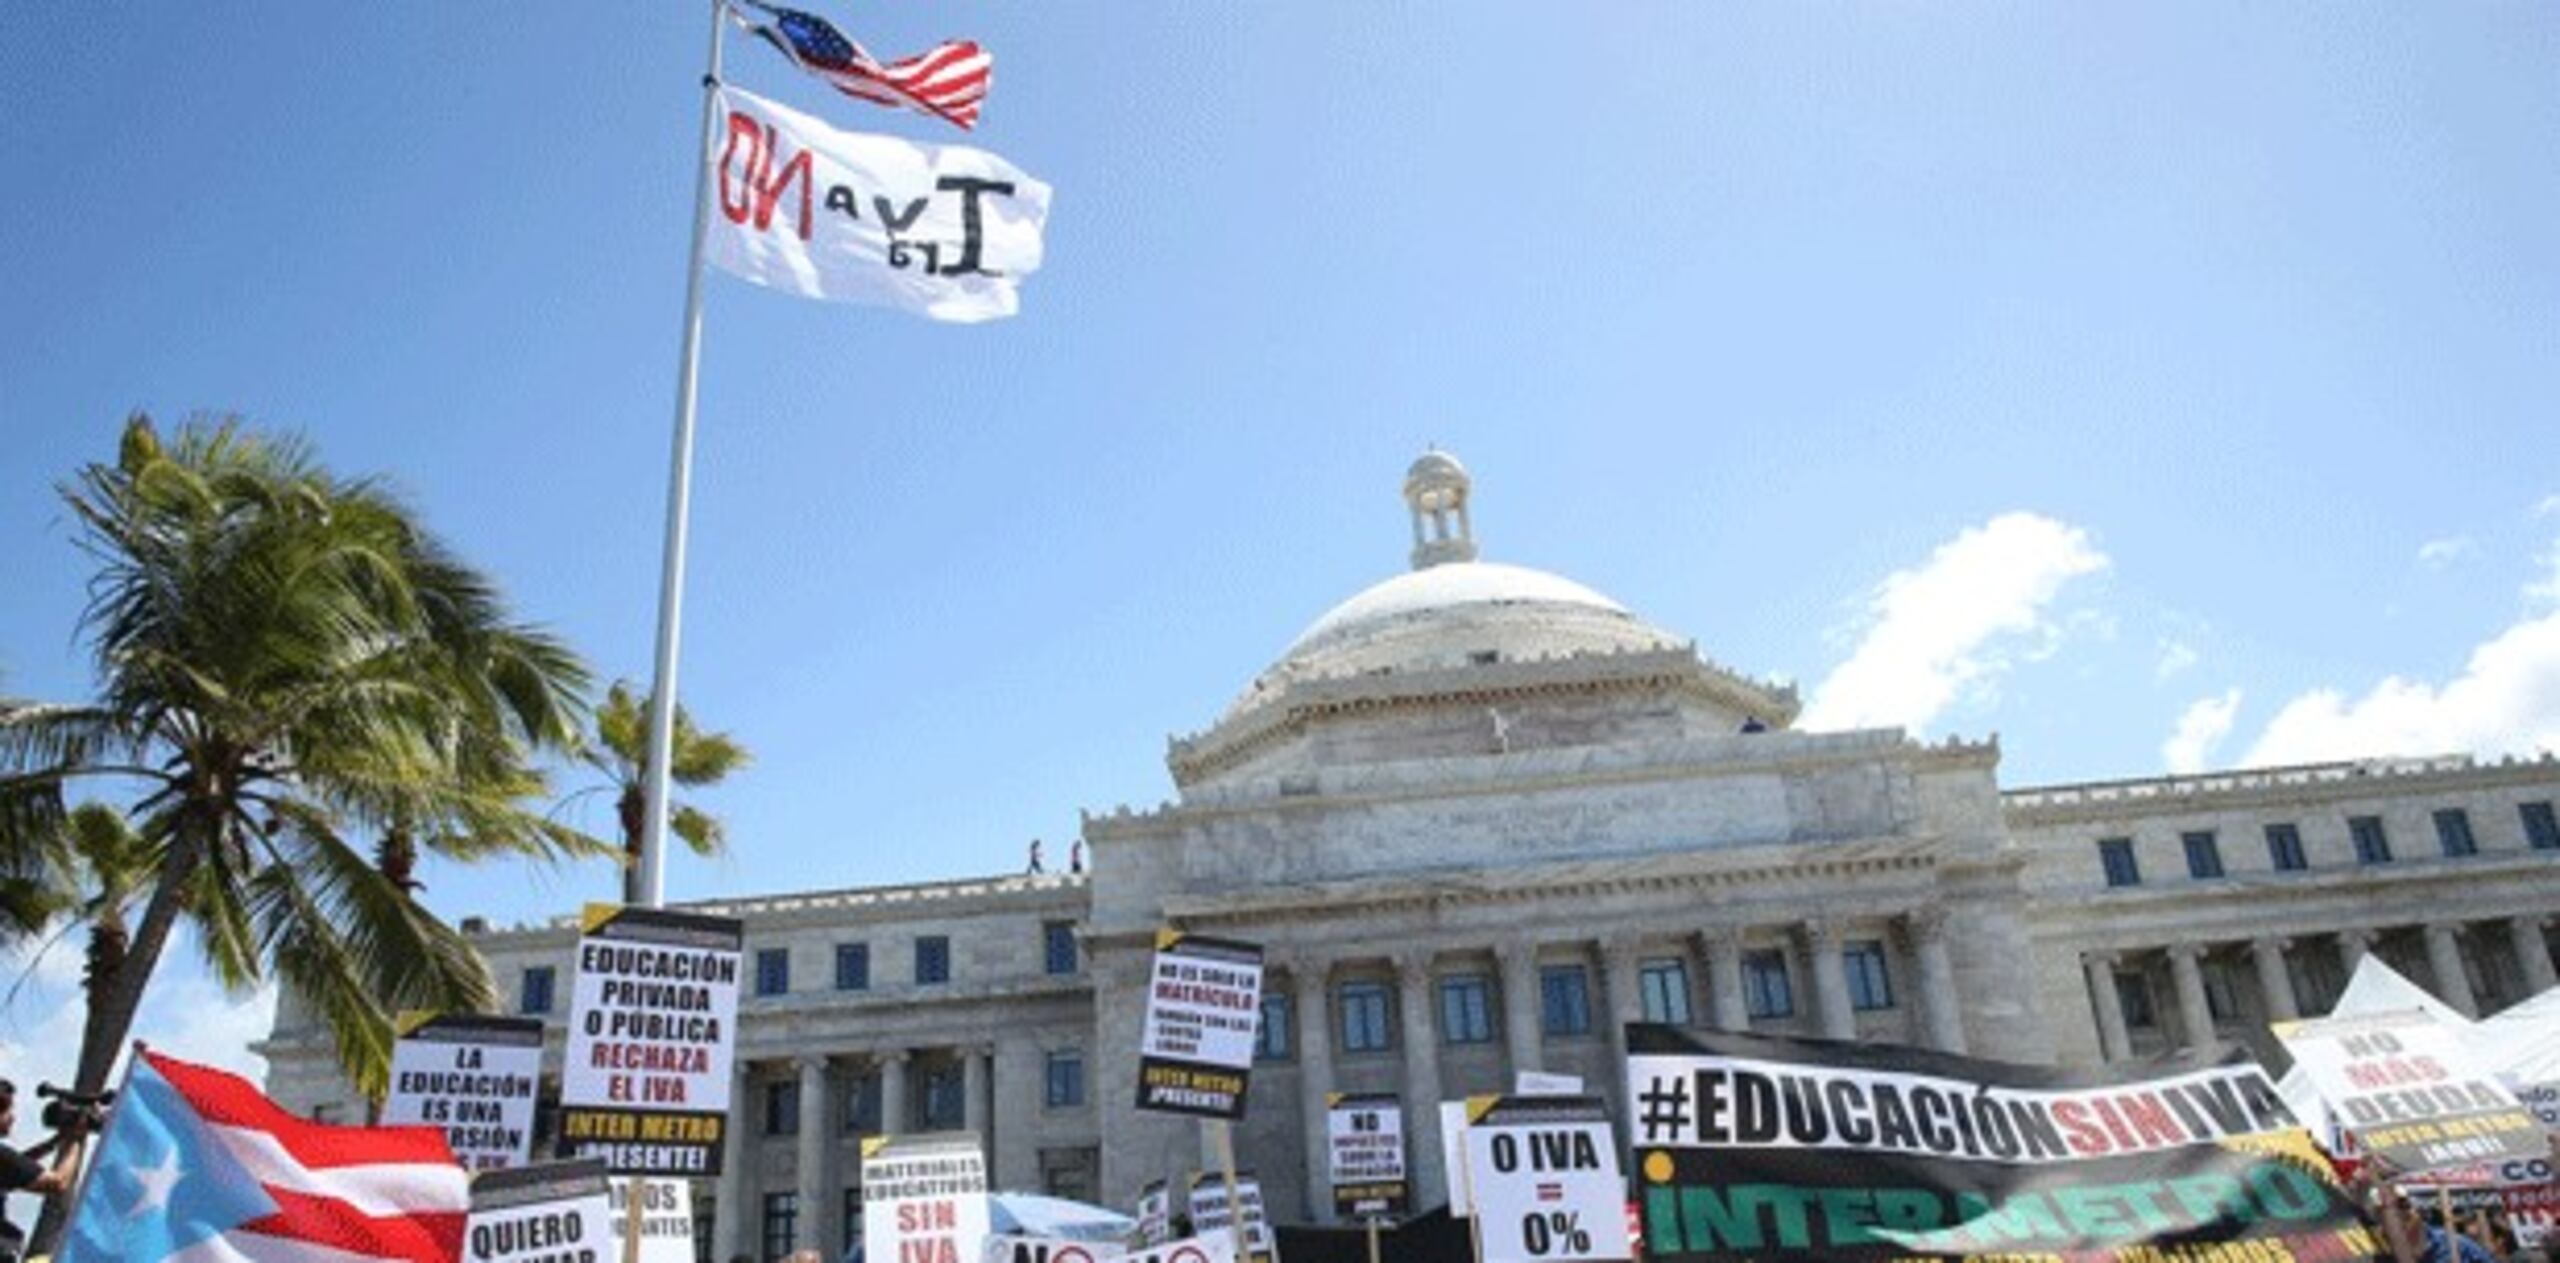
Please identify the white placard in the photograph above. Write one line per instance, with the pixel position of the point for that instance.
(666, 1221)
(1204, 1014)
(653, 1020)
(2409, 1090)
(551, 1213)
(1014, 1249)
(1453, 1158)
(1364, 1134)
(1546, 1183)
(1541, 1083)
(924, 1198)
(476, 1077)
(1209, 1213)
(1208, 1247)
(1155, 1213)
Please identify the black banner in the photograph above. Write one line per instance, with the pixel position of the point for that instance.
(1783, 1150)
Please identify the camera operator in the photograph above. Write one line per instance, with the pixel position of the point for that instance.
(22, 1171)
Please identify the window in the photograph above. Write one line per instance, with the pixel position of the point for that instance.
(853, 966)
(773, 971)
(933, 960)
(2318, 980)
(2373, 846)
(2453, 832)
(2133, 995)
(1870, 976)
(1466, 1009)
(1066, 1078)
(1564, 1000)
(1364, 1017)
(782, 1107)
(852, 1221)
(1059, 938)
(2204, 855)
(2541, 828)
(862, 1106)
(2284, 848)
(2116, 856)
(1665, 984)
(781, 1225)
(1271, 1043)
(2221, 995)
(533, 992)
(1765, 990)
(945, 1098)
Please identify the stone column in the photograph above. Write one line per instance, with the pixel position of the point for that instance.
(973, 1092)
(2352, 946)
(817, 1144)
(2533, 954)
(1727, 1009)
(2194, 1013)
(1520, 1024)
(893, 1091)
(2113, 1043)
(1821, 944)
(729, 1218)
(1421, 1074)
(1625, 993)
(2444, 958)
(1941, 1011)
(2275, 982)
(1308, 979)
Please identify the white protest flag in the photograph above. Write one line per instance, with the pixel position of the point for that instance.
(943, 231)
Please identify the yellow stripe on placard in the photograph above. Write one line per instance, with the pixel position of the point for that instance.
(1166, 938)
(409, 1020)
(1478, 1107)
(1333, 1100)
(871, 1145)
(596, 916)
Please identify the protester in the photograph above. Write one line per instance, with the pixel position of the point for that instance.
(21, 1172)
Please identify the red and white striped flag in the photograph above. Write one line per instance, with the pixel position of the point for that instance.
(198, 1166)
(948, 81)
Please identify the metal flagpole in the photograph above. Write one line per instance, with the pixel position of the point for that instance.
(662, 689)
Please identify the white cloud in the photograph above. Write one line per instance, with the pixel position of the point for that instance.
(1949, 627)
(2175, 656)
(2547, 506)
(2506, 700)
(185, 1014)
(2201, 728)
(2437, 554)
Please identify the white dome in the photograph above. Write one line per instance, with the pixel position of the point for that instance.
(1454, 615)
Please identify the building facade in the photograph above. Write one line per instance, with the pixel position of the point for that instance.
(1481, 816)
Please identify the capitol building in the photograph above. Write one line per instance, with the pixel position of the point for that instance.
(1480, 816)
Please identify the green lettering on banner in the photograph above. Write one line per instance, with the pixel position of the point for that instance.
(1847, 1214)
(1907, 1210)
(1662, 1217)
(2287, 1193)
(2091, 1215)
(1795, 1229)
(2026, 1217)
(1711, 1223)
(2211, 1196)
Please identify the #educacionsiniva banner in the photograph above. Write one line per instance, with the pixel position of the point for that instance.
(1786, 1150)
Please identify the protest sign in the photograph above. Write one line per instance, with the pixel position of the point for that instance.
(1453, 1158)
(924, 1198)
(1544, 1170)
(1789, 1151)
(551, 1213)
(1208, 1247)
(476, 1077)
(1155, 1213)
(1541, 1083)
(666, 1220)
(1209, 1213)
(1002, 1248)
(652, 1021)
(1364, 1135)
(2410, 1093)
(1204, 1009)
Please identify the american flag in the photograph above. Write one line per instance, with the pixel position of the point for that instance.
(948, 81)
(198, 1166)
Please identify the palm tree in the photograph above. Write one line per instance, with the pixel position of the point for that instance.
(285, 658)
(110, 867)
(620, 751)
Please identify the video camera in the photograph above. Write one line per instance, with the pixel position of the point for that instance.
(74, 1113)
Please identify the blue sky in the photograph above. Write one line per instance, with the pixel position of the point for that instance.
(2091, 375)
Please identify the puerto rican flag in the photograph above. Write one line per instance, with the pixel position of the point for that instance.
(198, 1166)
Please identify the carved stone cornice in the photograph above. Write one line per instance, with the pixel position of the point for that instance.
(2298, 786)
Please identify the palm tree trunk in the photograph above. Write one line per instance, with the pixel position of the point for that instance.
(109, 1022)
(633, 810)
